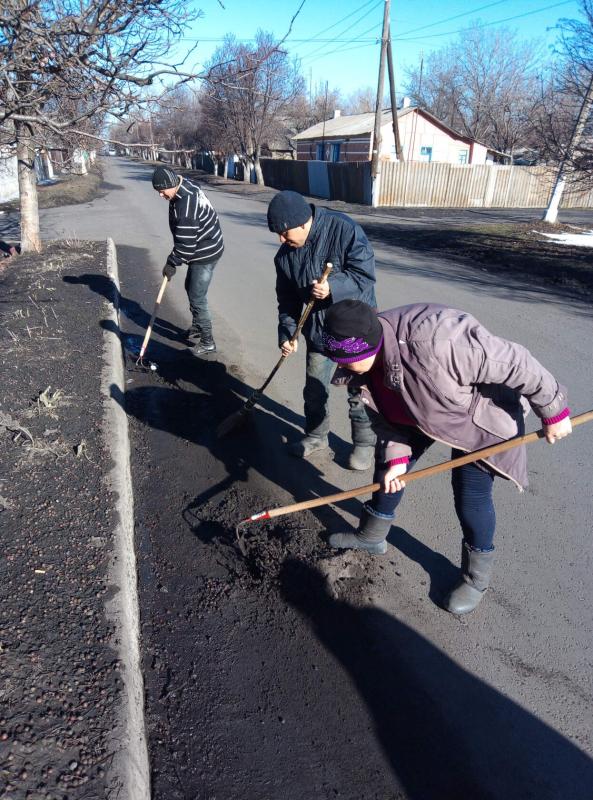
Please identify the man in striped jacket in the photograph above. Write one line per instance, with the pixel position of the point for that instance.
(197, 242)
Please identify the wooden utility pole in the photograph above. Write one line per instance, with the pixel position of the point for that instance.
(375, 169)
(390, 72)
(551, 214)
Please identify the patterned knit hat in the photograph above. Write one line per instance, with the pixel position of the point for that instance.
(288, 210)
(164, 178)
(351, 332)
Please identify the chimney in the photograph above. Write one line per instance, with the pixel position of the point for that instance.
(337, 113)
(406, 102)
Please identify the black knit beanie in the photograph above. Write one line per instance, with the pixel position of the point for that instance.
(164, 178)
(351, 332)
(288, 210)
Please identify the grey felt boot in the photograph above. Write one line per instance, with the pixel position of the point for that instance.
(362, 457)
(307, 446)
(370, 536)
(476, 571)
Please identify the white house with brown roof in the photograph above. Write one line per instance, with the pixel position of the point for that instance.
(423, 138)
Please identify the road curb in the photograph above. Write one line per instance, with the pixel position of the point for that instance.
(130, 771)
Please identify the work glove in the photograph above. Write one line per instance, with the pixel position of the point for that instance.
(169, 270)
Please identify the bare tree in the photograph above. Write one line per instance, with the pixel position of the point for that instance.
(309, 110)
(249, 91)
(565, 100)
(65, 64)
(483, 85)
(362, 101)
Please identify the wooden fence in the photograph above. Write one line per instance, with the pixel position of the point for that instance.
(473, 186)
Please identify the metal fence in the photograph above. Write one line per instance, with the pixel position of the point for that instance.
(470, 186)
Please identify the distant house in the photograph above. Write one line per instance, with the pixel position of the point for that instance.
(281, 145)
(422, 135)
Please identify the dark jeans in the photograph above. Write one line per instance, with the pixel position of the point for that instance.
(472, 493)
(197, 282)
(320, 370)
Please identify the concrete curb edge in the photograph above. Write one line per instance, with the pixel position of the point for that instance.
(130, 772)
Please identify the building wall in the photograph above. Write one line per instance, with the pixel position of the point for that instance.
(352, 148)
(418, 134)
(9, 183)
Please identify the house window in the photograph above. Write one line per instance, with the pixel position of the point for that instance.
(463, 156)
(321, 152)
(426, 154)
(335, 151)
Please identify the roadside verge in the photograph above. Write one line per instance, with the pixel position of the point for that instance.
(71, 719)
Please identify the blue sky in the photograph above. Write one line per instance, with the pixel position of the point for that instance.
(336, 39)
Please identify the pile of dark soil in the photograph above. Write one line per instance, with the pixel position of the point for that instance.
(59, 675)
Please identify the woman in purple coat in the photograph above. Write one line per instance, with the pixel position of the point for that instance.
(430, 373)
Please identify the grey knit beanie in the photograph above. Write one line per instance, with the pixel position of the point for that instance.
(164, 178)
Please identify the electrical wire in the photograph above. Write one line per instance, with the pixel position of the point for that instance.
(457, 16)
(308, 56)
(311, 60)
(404, 38)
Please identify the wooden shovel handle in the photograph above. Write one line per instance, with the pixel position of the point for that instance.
(159, 297)
(310, 304)
(415, 475)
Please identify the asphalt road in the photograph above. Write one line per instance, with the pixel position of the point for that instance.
(511, 684)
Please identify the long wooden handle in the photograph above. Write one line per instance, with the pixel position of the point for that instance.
(310, 304)
(416, 475)
(255, 396)
(159, 297)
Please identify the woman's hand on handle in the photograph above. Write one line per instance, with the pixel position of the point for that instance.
(391, 479)
(558, 430)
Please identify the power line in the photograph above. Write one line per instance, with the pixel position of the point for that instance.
(250, 41)
(309, 40)
(403, 38)
(307, 56)
(457, 16)
(339, 22)
(310, 60)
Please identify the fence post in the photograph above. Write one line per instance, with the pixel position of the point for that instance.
(490, 183)
(376, 188)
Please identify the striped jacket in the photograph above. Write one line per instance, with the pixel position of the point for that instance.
(195, 227)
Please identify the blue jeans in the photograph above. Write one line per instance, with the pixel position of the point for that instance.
(197, 282)
(472, 494)
(320, 370)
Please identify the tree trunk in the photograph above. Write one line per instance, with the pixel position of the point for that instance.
(246, 170)
(25, 152)
(225, 169)
(259, 175)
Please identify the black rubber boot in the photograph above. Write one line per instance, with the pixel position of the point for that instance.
(370, 536)
(476, 571)
(207, 345)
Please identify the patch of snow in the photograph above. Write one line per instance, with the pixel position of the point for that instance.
(573, 239)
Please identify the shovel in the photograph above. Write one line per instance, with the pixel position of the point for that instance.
(238, 417)
(159, 297)
(415, 475)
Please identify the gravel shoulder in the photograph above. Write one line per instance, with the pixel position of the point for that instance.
(60, 677)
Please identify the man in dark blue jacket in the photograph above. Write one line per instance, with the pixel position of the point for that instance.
(311, 237)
